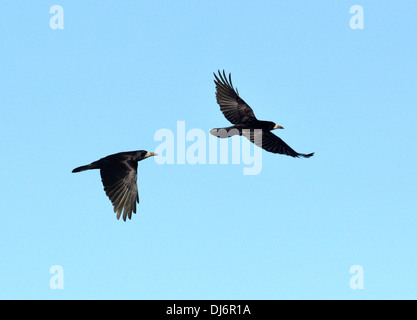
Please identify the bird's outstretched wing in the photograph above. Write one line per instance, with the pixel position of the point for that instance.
(233, 107)
(271, 143)
(120, 184)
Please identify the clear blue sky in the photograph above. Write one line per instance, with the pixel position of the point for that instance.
(121, 70)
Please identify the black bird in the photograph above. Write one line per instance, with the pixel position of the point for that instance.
(244, 121)
(119, 175)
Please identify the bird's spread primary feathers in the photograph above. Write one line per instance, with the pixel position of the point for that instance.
(241, 115)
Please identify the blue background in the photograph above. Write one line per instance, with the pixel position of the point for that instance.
(121, 70)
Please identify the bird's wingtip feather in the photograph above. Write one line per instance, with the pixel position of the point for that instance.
(308, 155)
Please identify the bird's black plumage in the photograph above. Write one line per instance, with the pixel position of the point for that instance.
(241, 115)
(119, 177)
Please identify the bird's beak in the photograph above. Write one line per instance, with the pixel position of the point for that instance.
(277, 127)
(150, 154)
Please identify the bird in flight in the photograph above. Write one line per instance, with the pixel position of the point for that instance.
(119, 176)
(241, 115)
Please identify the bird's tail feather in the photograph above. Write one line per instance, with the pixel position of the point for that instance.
(93, 165)
(223, 133)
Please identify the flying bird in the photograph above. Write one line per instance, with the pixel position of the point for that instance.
(119, 176)
(241, 115)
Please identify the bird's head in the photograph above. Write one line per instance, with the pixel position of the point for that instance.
(143, 154)
(276, 126)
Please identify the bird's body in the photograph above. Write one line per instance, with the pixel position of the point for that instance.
(249, 125)
(119, 177)
(244, 121)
